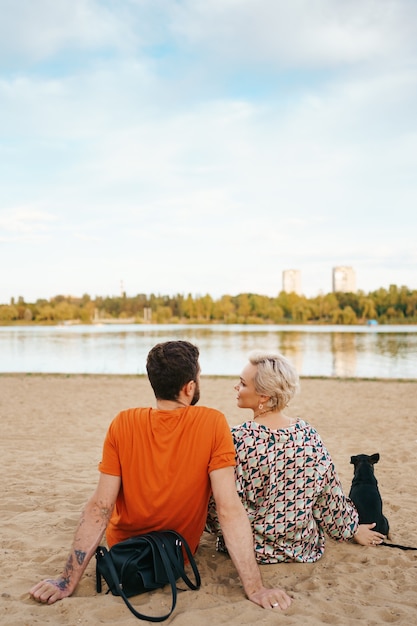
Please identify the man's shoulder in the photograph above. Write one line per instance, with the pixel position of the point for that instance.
(131, 414)
(136, 410)
(207, 412)
(207, 417)
(206, 409)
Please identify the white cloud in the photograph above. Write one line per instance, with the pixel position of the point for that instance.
(298, 33)
(207, 146)
(34, 31)
(23, 223)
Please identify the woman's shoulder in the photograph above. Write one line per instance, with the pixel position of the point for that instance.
(309, 431)
(250, 427)
(300, 428)
(246, 429)
(304, 425)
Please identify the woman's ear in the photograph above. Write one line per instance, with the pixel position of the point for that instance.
(264, 399)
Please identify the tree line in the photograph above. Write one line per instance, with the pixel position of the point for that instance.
(395, 305)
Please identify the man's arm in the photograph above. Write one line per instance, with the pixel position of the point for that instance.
(90, 529)
(238, 537)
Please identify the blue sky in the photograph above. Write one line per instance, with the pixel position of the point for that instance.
(163, 146)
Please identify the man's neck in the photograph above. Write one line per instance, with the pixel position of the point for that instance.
(170, 405)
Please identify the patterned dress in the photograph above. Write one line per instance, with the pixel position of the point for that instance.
(291, 492)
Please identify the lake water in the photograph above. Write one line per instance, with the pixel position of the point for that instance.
(341, 351)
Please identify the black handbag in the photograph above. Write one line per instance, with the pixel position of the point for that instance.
(144, 563)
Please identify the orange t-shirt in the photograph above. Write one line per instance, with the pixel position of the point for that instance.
(164, 459)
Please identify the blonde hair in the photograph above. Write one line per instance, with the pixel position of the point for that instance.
(275, 377)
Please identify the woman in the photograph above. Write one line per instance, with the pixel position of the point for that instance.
(284, 474)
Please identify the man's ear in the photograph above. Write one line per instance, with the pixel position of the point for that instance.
(189, 389)
(187, 392)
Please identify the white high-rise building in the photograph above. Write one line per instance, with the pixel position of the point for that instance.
(291, 281)
(344, 279)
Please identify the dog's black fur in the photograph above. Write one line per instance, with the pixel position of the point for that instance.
(366, 497)
(365, 494)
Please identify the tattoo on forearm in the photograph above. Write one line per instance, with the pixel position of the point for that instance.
(105, 513)
(69, 568)
(80, 556)
(63, 583)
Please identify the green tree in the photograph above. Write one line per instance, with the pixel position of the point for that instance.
(367, 310)
(224, 310)
(243, 307)
(46, 313)
(8, 313)
(163, 314)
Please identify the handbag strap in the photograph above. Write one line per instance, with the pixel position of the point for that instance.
(178, 565)
(170, 575)
(171, 563)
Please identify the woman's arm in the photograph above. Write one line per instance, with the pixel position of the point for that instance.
(338, 514)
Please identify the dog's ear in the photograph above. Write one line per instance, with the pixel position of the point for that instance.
(374, 458)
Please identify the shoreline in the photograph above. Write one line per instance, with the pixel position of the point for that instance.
(206, 376)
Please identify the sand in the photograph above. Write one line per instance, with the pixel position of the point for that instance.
(52, 429)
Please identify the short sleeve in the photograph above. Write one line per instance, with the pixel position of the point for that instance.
(223, 450)
(110, 462)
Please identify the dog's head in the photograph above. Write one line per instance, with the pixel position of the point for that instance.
(364, 458)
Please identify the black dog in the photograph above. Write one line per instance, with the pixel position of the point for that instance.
(364, 492)
(365, 495)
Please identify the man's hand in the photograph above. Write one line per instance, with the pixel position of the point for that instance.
(90, 529)
(238, 538)
(271, 598)
(49, 591)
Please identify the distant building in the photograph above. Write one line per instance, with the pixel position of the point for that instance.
(344, 279)
(291, 281)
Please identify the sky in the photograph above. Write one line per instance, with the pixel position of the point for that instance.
(185, 146)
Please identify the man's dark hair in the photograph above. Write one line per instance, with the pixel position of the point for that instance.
(170, 366)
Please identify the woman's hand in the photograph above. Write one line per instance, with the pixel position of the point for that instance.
(365, 536)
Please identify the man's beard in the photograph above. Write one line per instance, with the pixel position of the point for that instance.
(196, 396)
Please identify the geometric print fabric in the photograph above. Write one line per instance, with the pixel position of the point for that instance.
(291, 492)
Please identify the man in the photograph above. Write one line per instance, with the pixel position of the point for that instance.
(158, 470)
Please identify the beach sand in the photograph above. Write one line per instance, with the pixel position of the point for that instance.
(52, 429)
